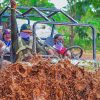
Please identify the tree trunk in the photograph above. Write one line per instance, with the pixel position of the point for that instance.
(71, 37)
(13, 30)
(73, 14)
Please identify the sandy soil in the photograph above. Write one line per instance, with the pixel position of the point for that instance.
(89, 55)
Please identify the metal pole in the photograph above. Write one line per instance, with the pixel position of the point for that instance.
(94, 42)
(39, 12)
(34, 40)
(69, 17)
(1, 13)
(53, 27)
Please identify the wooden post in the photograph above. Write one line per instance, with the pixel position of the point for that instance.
(13, 30)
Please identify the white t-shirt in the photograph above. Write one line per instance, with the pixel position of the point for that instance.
(5, 49)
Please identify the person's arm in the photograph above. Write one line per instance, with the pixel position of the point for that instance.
(1, 47)
(6, 49)
(1, 44)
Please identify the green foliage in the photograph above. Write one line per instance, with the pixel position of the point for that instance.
(82, 32)
(29, 3)
(36, 3)
(59, 17)
(90, 19)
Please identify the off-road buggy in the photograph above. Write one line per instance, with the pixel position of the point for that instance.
(46, 14)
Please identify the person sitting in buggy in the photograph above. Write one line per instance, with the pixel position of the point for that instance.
(6, 39)
(58, 46)
(24, 46)
(55, 46)
(25, 42)
(3, 61)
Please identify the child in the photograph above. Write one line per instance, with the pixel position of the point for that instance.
(7, 36)
(7, 40)
(3, 62)
(6, 44)
(59, 46)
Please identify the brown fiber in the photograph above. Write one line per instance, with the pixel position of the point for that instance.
(46, 81)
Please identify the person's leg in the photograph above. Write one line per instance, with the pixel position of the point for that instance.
(51, 52)
(69, 54)
(66, 53)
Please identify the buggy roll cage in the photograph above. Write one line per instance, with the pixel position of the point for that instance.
(6, 15)
(66, 24)
(47, 14)
(41, 13)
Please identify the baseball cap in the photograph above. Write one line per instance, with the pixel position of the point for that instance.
(57, 35)
(25, 27)
(7, 31)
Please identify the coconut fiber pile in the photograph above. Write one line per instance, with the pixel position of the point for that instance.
(41, 80)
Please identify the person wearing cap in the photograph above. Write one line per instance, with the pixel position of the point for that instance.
(58, 46)
(24, 47)
(25, 31)
(59, 43)
(5, 44)
(3, 62)
(6, 38)
(25, 42)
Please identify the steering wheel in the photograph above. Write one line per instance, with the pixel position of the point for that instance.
(73, 52)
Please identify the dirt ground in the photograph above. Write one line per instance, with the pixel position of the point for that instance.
(89, 55)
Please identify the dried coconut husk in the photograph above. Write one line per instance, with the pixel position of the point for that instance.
(45, 81)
